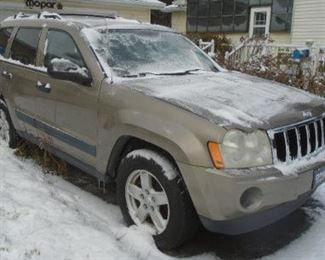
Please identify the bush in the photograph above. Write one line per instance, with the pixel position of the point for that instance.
(281, 67)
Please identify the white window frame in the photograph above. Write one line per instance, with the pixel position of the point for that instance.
(268, 19)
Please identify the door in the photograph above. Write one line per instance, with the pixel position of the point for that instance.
(21, 74)
(260, 19)
(75, 129)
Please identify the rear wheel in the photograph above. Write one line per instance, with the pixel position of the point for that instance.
(8, 135)
(152, 194)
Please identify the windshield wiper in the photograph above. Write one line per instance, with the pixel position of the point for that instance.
(143, 74)
(186, 72)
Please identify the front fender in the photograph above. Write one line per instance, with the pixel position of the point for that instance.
(182, 143)
(125, 112)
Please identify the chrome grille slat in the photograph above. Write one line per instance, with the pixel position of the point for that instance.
(316, 134)
(286, 140)
(323, 130)
(298, 140)
(308, 138)
(299, 143)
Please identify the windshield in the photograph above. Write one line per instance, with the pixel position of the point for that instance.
(132, 53)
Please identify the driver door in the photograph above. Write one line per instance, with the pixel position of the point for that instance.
(75, 129)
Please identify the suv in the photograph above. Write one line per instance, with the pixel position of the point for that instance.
(186, 141)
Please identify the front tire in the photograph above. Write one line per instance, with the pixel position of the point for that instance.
(8, 135)
(151, 193)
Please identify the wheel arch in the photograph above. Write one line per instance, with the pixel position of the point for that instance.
(127, 144)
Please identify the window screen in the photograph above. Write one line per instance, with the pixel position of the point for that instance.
(60, 45)
(24, 47)
(233, 15)
(218, 15)
(5, 34)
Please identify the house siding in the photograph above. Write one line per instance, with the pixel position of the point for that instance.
(140, 13)
(308, 22)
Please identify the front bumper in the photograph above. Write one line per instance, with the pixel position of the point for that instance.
(254, 221)
(239, 201)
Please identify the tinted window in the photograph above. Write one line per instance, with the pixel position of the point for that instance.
(60, 45)
(24, 47)
(4, 37)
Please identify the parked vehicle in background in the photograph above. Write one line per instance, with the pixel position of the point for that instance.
(186, 141)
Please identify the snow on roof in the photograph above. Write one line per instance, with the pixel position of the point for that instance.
(176, 6)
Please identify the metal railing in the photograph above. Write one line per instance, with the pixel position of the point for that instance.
(208, 47)
(251, 49)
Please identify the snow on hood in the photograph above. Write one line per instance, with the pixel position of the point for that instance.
(233, 99)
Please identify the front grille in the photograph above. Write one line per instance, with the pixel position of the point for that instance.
(299, 140)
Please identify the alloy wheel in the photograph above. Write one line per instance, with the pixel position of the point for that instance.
(147, 201)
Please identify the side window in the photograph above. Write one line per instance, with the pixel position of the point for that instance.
(60, 45)
(5, 34)
(24, 46)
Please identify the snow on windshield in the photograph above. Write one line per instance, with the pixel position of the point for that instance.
(132, 52)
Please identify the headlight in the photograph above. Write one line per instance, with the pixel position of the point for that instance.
(245, 150)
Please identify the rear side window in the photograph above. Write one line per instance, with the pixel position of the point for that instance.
(60, 45)
(24, 47)
(5, 34)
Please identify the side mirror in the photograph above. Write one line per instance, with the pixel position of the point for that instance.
(66, 70)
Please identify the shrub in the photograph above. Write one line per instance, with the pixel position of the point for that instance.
(259, 62)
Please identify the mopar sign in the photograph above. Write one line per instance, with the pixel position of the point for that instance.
(42, 4)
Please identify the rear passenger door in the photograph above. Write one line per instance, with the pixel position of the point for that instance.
(24, 71)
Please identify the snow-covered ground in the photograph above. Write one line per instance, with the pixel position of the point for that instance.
(45, 217)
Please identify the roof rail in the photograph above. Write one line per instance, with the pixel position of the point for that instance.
(46, 15)
(41, 15)
(109, 16)
(21, 15)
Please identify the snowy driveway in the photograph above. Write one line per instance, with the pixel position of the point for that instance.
(45, 217)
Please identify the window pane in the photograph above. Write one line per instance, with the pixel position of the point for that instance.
(55, 42)
(191, 24)
(4, 37)
(203, 8)
(228, 7)
(24, 47)
(214, 25)
(281, 23)
(260, 18)
(215, 8)
(192, 10)
(254, 2)
(227, 24)
(282, 6)
(202, 25)
(266, 2)
(259, 32)
(241, 7)
(241, 23)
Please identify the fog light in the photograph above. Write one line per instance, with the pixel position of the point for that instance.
(251, 199)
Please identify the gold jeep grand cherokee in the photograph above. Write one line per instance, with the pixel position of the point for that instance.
(186, 141)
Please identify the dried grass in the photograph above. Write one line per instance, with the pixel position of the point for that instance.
(48, 162)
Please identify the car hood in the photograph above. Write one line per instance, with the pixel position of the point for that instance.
(233, 99)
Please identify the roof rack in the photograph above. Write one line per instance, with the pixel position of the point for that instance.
(107, 16)
(46, 15)
(21, 15)
(41, 15)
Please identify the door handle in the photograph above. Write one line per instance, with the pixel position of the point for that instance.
(7, 75)
(43, 87)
